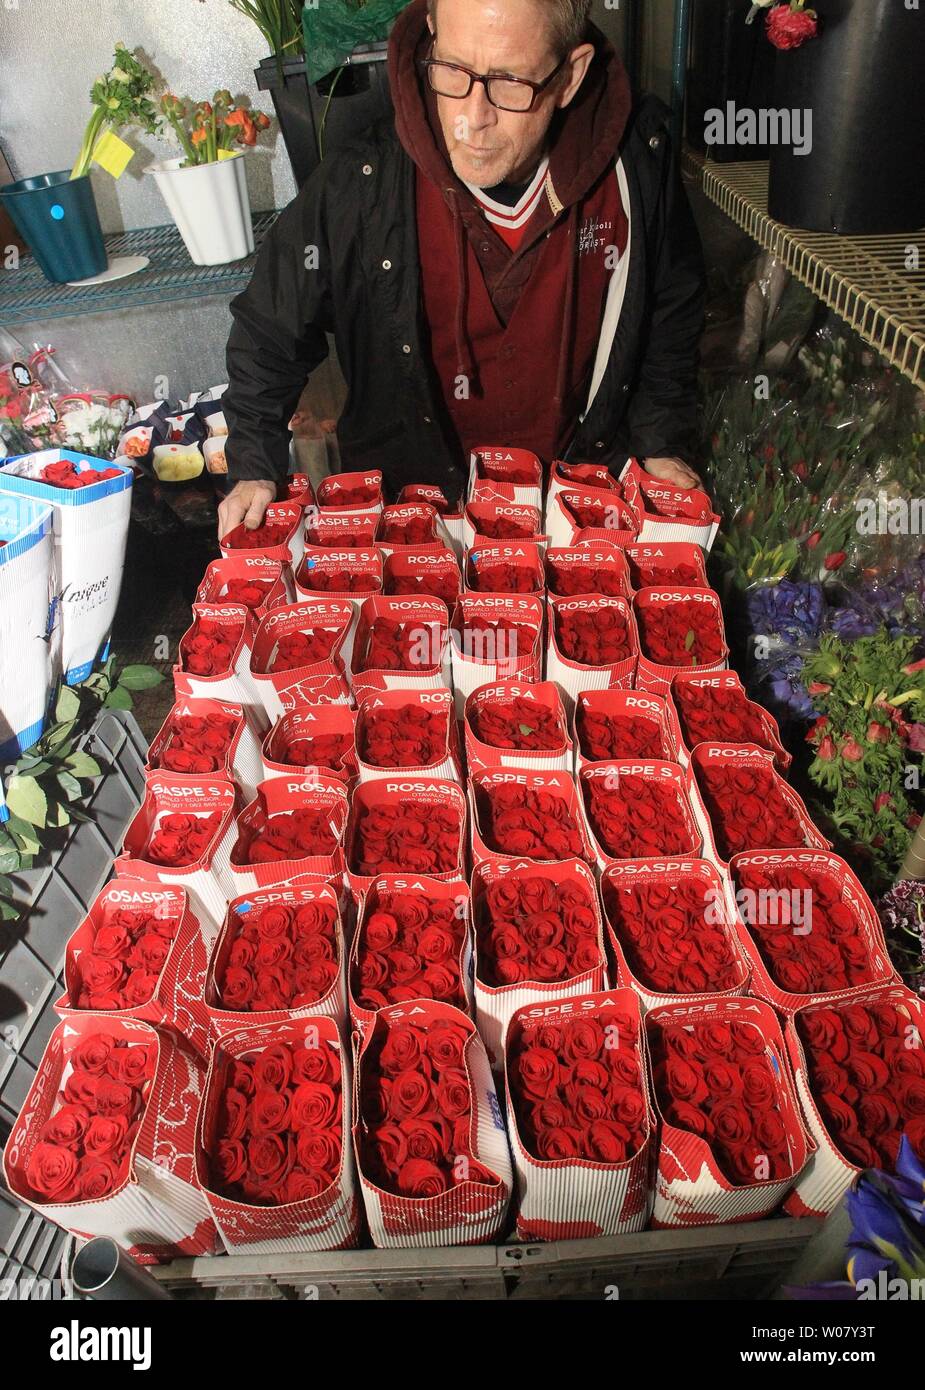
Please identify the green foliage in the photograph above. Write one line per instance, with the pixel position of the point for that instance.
(120, 98)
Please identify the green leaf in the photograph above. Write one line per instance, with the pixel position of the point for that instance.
(24, 834)
(70, 786)
(690, 639)
(118, 698)
(25, 798)
(68, 706)
(58, 815)
(34, 766)
(10, 860)
(8, 912)
(82, 765)
(140, 677)
(525, 729)
(56, 736)
(6, 886)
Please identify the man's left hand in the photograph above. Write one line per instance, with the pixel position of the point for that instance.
(673, 470)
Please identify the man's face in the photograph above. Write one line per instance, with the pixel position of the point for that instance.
(488, 146)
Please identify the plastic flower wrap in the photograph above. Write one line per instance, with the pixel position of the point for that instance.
(792, 612)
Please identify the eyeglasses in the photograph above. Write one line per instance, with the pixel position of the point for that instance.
(506, 93)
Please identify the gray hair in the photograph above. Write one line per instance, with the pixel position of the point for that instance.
(567, 20)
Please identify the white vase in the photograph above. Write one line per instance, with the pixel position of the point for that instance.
(209, 204)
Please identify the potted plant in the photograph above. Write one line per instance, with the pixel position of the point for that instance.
(56, 213)
(206, 188)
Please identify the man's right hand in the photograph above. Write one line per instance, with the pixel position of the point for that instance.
(245, 502)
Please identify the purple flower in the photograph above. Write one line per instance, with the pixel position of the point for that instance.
(787, 610)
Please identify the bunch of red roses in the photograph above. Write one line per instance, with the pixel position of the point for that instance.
(637, 817)
(181, 838)
(652, 575)
(302, 834)
(534, 928)
(578, 1089)
(602, 735)
(208, 648)
(504, 471)
(359, 495)
(867, 1080)
(197, 745)
(122, 967)
(614, 516)
(436, 582)
(412, 736)
(504, 578)
(328, 581)
(747, 809)
(413, 837)
(425, 492)
(296, 649)
(503, 528)
(401, 646)
(410, 530)
(717, 1081)
(65, 474)
(327, 536)
(827, 952)
(720, 715)
(261, 538)
(517, 723)
(279, 1129)
(669, 943)
(535, 823)
(569, 581)
(84, 1148)
(593, 637)
(416, 1104)
(685, 633)
(281, 957)
(409, 949)
(250, 593)
(317, 750)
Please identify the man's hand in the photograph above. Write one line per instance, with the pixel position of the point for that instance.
(673, 470)
(245, 502)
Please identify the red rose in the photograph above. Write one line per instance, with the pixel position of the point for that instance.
(51, 1171)
(788, 28)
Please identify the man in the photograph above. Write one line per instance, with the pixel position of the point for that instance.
(510, 261)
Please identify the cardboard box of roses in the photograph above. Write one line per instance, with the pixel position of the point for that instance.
(666, 565)
(592, 644)
(714, 708)
(566, 477)
(103, 1144)
(429, 1136)
(183, 834)
(671, 928)
(255, 581)
(291, 827)
(517, 725)
(731, 1140)
(208, 736)
(600, 568)
(299, 489)
(401, 644)
(582, 1123)
(487, 523)
(407, 733)
(280, 537)
(496, 470)
(214, 656)
(408, 826)
(413, 938)
(679, 629)
(349, 529)
(594, 515)
(495, 637)
(668, 513)
(140, 953)
(520, 814)
(304, 645)
(273, 1139)
(859, 1070)
(411, 526)
(504, 569)
(360, 491)
(635, 809)
(608, 724)
(422, 574)
(809, 930)
(280, 955)
(450, 514)
(319, 737)
(538, 938)
(348, 575)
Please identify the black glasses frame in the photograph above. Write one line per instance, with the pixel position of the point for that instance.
(485, 78)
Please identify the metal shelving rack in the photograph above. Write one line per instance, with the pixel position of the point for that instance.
(25, 294)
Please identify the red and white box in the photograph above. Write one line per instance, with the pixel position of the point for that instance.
(276, 911)
(617, 724)
(587, 569)
(504, 569)
(324, 798)
(674, 564)
(238, 760)
(229, 680)
(157, 1211)
(328, 1220)
(411, 526)
(389, 942)
(624, 783)
(495, 637)
(424, 622)
(694, 904)
(435, 497)
(286, 517)
(770, 789)
(329, 619)
(402, 712)
(566, 477)
(569, 1198)
(716, 707)
(408, 849)
(503, 894)
(422, 574)
(172, 946)
(329, 573)
(589, 514)
(690, 1187)
(190, 795)
(500, 472)
(515, 786)
(656, 675)
(470, 1210)
(347, 529)
(593, 611)
(360, 492)
(529, 704)
(668, 513)
(299, 489)
(829, 1172)
(255, 581)
(778, 893)
(311, 732)
(501, 523)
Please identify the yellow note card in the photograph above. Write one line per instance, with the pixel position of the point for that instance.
(227, 154)
(112, 154)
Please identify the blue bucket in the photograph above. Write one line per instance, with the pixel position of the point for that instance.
(57, 216)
